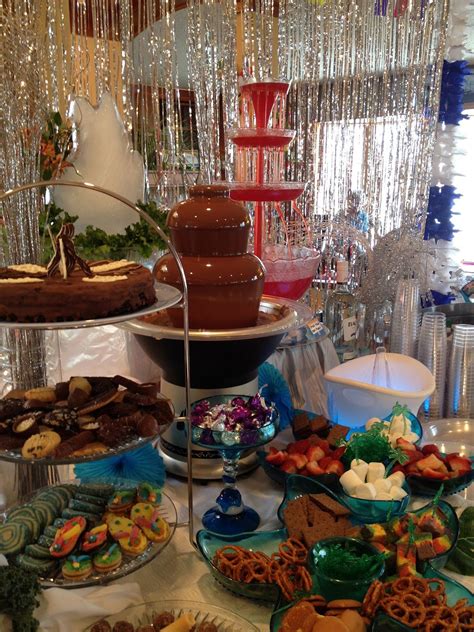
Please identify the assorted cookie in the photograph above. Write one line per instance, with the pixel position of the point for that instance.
(84, 416)
(78, 530)
(160, 622)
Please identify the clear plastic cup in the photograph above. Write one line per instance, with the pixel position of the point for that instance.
(432, 352)
(460, 401)
(406, 318)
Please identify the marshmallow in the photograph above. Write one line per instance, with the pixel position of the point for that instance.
(349, 481)
(360, 468)
(365, 491)
(371, 422)
(382, 485)
(375, 471)
(397, 493)
(383, 496)
(392, 437)
(400, 424)
(397, 479)
(411, 437)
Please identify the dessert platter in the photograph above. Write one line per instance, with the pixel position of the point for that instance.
(82, 419)
(84, 534)
(77, 292)
(182, 616)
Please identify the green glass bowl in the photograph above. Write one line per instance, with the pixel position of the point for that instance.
(369, 511)
(354, 588)
(266, 541)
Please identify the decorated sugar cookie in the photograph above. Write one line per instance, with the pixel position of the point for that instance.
(94, 538)
(67, 536)
(153, 526)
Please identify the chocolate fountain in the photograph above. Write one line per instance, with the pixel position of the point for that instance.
(233, 328)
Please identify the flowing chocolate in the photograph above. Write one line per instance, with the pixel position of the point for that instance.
(65, 257)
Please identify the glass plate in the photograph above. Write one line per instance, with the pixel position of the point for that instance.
(166, 296)
(129, 565)
(224, 620)
(16, 457)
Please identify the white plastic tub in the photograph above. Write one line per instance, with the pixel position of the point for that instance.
(353, 398)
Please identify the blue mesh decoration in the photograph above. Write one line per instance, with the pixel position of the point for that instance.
(438, 219)
(144, 464)
(452, 91)
(273, 386)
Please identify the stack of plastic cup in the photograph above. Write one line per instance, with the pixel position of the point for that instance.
(406, 318)
(432, 351)
(461, 373)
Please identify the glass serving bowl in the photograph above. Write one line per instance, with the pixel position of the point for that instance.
(368, 511)
(355, 587)
(230, 515)
(224, 620)
(428, 487)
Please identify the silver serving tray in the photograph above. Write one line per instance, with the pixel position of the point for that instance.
(288, 315)
(166, 296)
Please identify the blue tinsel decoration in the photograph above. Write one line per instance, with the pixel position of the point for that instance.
(144, 464)
(438, 219)
(274, 388)
(452, 91)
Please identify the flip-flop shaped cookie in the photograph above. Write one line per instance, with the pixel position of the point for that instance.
(108, 559)
(153, 526)
(133, 543)
(67, 536)
(121, 501)
(147, 493)
(95, 538)
(77, 567)
(118, 524)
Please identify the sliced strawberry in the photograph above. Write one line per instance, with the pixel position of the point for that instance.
(299, 460)
(324, 462)
(397, 468)
(324, 445)
(314, 469)
(458, 464)
(430, 448)
(338, 452)
(289, 467)
(413, 457)
(411, 469)
(298, 447)
(335, 467)
(314, 453)
(276, 457)
(405, 445)
(435, 474)
(430, 462)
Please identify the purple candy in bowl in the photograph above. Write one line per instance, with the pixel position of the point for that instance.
(231, 424)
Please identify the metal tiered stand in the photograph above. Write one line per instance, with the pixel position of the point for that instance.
(167, 296)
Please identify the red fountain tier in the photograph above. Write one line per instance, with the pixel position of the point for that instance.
(261, 142)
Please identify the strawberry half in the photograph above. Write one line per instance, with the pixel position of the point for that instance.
(314, 469)
(459, 464)
(430, 448)
(289, 467)
(276, 457)
(314, 453)
(435, 474)
(299, 460)
(335, 467)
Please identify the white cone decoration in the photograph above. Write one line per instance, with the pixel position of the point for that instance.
(104, 157)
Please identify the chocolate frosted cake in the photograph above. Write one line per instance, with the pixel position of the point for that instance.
(70, 289)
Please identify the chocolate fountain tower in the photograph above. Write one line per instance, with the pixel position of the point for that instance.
(225, 282)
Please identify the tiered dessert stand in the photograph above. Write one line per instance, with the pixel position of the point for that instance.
(261, 142)
(166, 296)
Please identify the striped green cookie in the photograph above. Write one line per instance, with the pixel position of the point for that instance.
(50, 531)
(38, 551)
(81, 505)
(13, 538)
(30, 518)
(96, 489)
(41, 566)
(52, 499)
(72, 513)
(94, 500)
(59, 522)
(65, 491)
(44, 540)
(46, 509)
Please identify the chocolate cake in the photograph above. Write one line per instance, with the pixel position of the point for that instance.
(70, 289)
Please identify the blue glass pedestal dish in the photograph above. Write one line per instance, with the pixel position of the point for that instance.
(230, 516)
